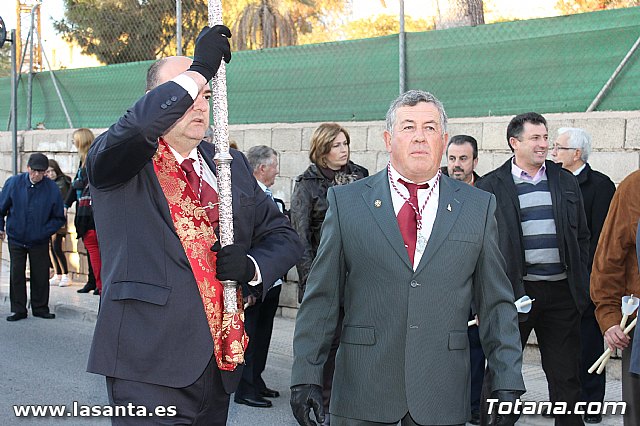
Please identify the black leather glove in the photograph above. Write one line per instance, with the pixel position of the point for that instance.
(303, 399)
(212, 45)
(504, 419)
(233, 264)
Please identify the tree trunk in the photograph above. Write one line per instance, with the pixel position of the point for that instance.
(459, 13)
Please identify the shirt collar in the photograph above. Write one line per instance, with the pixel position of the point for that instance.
(262, 185)
(179, 158)
(580, 169)
(521, 174)
(395, 175)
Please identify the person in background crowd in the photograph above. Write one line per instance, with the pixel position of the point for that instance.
(258, 316)
(615, 274)
(571, 149)
(430, 247)
(80, 193)
(30, 212)
(462, 159)
(58, 259)
(330, 166)
(544, 238)
(165, 336)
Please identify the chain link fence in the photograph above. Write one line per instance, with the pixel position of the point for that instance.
(548, 65)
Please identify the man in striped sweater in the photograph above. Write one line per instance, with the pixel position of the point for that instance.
(544, 238)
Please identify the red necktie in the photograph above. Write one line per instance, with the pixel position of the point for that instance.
(208, 195)
(407, 218)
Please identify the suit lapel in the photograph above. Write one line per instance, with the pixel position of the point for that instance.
(378, 200)
(449, 208)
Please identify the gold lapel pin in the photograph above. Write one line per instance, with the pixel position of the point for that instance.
(377, 203)
(449, 207)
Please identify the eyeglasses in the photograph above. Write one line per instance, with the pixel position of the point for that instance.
(558, 147)
(38, 171)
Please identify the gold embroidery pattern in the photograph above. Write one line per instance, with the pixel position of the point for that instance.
(196, 235)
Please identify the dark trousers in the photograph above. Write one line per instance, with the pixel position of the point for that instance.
(39, 281)
(556, 320)
(258, 324)
(204, 403)
(593, 385)
(58, 259)
(477, 359)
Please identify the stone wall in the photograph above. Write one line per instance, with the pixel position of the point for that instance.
(616, 152)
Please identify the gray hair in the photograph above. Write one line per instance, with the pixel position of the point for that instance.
(578, 138)
(259, 155)
(412, 98)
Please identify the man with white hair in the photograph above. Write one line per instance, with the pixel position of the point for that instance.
(572, 149)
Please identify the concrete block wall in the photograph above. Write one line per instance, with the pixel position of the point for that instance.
(616, 152)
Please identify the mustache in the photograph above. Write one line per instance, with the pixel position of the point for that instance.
(458, 169)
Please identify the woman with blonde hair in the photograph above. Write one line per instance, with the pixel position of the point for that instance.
(85, 227)
(330, 166)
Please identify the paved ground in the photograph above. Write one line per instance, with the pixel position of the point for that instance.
(67, 303)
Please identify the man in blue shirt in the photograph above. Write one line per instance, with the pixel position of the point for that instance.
(32, 206)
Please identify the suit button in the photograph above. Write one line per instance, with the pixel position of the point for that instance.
(415, 284)
(174, 98)
(413, 327)
(168, 102)
(163, 106)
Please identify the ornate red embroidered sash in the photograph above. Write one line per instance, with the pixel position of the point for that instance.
(196, 235)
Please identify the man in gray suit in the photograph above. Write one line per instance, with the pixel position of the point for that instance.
(406, 251)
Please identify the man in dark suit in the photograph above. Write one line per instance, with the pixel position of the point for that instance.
(162, 337)
(405, 251)
(544, 239)
(252, 390)
(571, 149)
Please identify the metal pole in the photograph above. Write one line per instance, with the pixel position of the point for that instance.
(14, 102)
(30, 79)
(179, 27)
(55, 85)
(402, 50)
(223, 159)
(617, 71)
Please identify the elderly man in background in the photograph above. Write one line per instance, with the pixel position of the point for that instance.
(32, 205)
(261, 309)
(571, 149)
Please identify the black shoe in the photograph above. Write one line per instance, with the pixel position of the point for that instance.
(592, 418)
(475, 418)
(45, 315)
(255, 401)
(96, 292)
(269, 393)
(16, 317)
(87, 288)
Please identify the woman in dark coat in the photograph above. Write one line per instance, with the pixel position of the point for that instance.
(85, 227)
(58, 259)
(329, 155)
